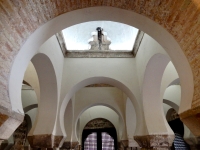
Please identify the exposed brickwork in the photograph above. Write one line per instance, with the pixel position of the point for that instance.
(19, 18)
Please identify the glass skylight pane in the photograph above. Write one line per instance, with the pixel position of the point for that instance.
(122, 36)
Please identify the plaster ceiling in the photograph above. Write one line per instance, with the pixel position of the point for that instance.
(122, 36)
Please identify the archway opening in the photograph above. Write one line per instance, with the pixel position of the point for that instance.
(116, 91)
(178, 128)
(99, 134)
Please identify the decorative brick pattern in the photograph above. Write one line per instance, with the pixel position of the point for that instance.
(19, 18)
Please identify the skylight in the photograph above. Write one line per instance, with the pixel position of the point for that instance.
(122, 36)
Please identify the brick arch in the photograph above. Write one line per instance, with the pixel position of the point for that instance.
(21, 18)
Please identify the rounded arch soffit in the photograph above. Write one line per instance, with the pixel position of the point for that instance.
(48, 89)
(152, 102)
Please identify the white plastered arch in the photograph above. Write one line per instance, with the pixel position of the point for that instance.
(31, 77)
(162, 36)
(151, 96)
(169, 75)
(122, 125)
(130, 119)
(172, 104)
(48, 94)
(94, 80)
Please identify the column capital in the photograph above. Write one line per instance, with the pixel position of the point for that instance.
(45, 141)
(161, 142)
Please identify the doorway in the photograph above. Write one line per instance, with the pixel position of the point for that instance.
(102, 136)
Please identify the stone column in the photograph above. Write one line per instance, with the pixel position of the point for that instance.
(155, 142)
